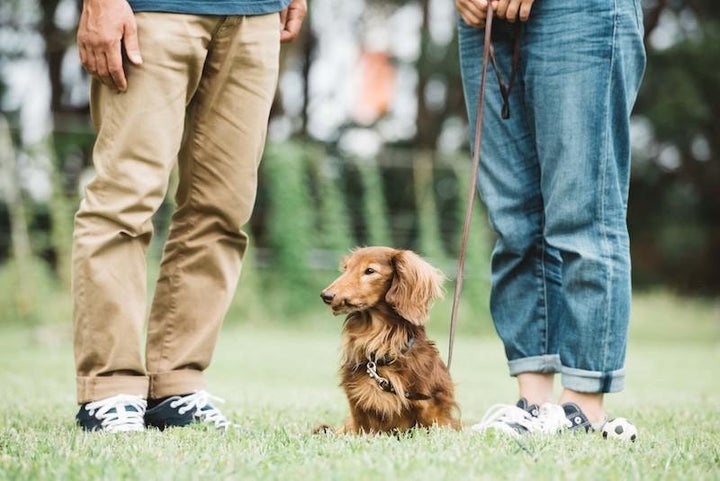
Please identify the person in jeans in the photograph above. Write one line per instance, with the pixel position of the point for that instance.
(554, 177)
(174, 82)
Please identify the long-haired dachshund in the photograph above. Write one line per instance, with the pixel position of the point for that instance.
(391, 372)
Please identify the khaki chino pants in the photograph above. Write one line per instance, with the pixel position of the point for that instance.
(201, 100)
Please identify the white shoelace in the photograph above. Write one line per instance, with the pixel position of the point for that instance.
(551, 419)
(114, 415)
(204, 411)
(504, 417)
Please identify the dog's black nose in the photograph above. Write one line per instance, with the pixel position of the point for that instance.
(327, 297)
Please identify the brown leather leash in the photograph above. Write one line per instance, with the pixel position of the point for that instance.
(488, 54)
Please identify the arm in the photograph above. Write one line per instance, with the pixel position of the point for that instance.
(105, 26)
(291, 19)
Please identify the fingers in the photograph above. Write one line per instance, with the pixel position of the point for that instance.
(501, 8)
(115, 74)
(104, 28)
(130, 39)
(291, 29)
(87, 59)
(105, 63)
(291, 20)
(473, 12)
(512, 10)
(525, 10)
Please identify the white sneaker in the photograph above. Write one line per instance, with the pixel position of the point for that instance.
(552, 419)
(121, 413)
(514, 420)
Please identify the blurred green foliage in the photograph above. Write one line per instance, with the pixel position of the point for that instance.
(373, 203)
(31, 296)
(315, 202)
(291, 232)
(333, 222)
(674, 209)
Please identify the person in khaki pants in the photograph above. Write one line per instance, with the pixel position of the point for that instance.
(199, 96)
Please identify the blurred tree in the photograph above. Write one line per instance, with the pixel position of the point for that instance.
(21, 273)
(290, 229)
(476, 281)
(17, 27)
(439, 91)
(674, 212)
(374, 205)
(429, 242)
(675, 194)
(333, 220)
(22, 22)
(12, 196)
(59, 40)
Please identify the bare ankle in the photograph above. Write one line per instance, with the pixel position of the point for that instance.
(535, 387)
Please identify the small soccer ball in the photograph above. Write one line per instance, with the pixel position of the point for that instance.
(619, 428)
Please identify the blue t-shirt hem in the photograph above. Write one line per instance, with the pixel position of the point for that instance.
(216, 7)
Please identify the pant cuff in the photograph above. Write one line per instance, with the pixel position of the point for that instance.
(172, 383)
(545, 364)
(94, 388)
(579, 380)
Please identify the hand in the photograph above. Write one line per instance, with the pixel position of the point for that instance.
(105, 25)
(291, 19)
(473, 12)
(511, 10)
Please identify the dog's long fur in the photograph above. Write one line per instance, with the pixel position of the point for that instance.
(386, 294)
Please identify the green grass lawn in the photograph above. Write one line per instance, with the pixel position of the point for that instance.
(280, 381)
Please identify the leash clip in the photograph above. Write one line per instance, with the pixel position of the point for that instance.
(371, 370)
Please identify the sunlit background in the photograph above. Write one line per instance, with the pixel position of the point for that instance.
(367, 144)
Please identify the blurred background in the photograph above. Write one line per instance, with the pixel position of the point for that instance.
(368, 144)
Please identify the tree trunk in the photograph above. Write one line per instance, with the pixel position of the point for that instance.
(57, 42)
(20, 251)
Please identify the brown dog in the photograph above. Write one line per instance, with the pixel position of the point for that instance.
(391, 372)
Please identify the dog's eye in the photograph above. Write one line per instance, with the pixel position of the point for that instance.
(369, 271)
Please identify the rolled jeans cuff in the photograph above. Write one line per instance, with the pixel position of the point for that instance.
(547, 363)
(579, 380)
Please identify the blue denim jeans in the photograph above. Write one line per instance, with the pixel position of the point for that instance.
(554, 178)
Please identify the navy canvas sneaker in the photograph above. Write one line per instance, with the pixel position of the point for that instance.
(121, 413)
(177, 411)
(577, 420)
(617, 428)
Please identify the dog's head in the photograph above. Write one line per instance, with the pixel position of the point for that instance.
(374, 275)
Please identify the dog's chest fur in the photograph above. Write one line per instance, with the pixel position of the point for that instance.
(395, 348)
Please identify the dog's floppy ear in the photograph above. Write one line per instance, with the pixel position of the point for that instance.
(415, 285)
